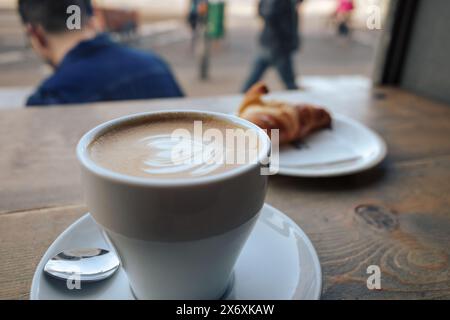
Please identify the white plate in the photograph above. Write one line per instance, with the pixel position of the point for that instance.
(349, 147)
(277, 262)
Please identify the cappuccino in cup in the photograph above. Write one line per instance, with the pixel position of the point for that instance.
(175, 147)
(177, 194)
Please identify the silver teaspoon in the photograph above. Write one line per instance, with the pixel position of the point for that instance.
(84, 264)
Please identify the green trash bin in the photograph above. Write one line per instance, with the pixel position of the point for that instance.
(216, 19)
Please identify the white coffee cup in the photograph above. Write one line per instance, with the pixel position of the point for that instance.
(177, 239)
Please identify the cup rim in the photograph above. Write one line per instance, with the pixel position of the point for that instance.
(86, 162)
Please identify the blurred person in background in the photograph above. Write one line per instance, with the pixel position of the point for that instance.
(279, 40)
(343, 15)
(88, 65)
(196, 15)
(192, 19)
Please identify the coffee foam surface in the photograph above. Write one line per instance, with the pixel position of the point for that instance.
(175, 147)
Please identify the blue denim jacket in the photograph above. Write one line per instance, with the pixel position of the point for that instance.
(102, 70)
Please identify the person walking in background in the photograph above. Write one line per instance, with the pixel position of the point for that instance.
(343, 16)
(279, 40)
(192, 19)
(198, 10)
(88, 65)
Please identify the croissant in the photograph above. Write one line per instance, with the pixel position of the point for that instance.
(294, 122)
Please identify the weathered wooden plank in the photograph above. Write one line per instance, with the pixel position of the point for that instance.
(396, 216)
(38, 166)
(24, 238)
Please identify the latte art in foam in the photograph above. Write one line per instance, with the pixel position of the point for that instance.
(172, 147)
(171, 155)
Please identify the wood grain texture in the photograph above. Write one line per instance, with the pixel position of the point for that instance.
(25, 236)
(396, 216)
(38, 167)
(352, 224)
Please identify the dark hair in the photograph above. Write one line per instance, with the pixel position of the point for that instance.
(52, 14)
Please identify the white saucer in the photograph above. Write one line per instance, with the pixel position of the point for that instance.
(349, 147)
(277, 262)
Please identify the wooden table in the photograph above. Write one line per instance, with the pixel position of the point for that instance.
(396, 216)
